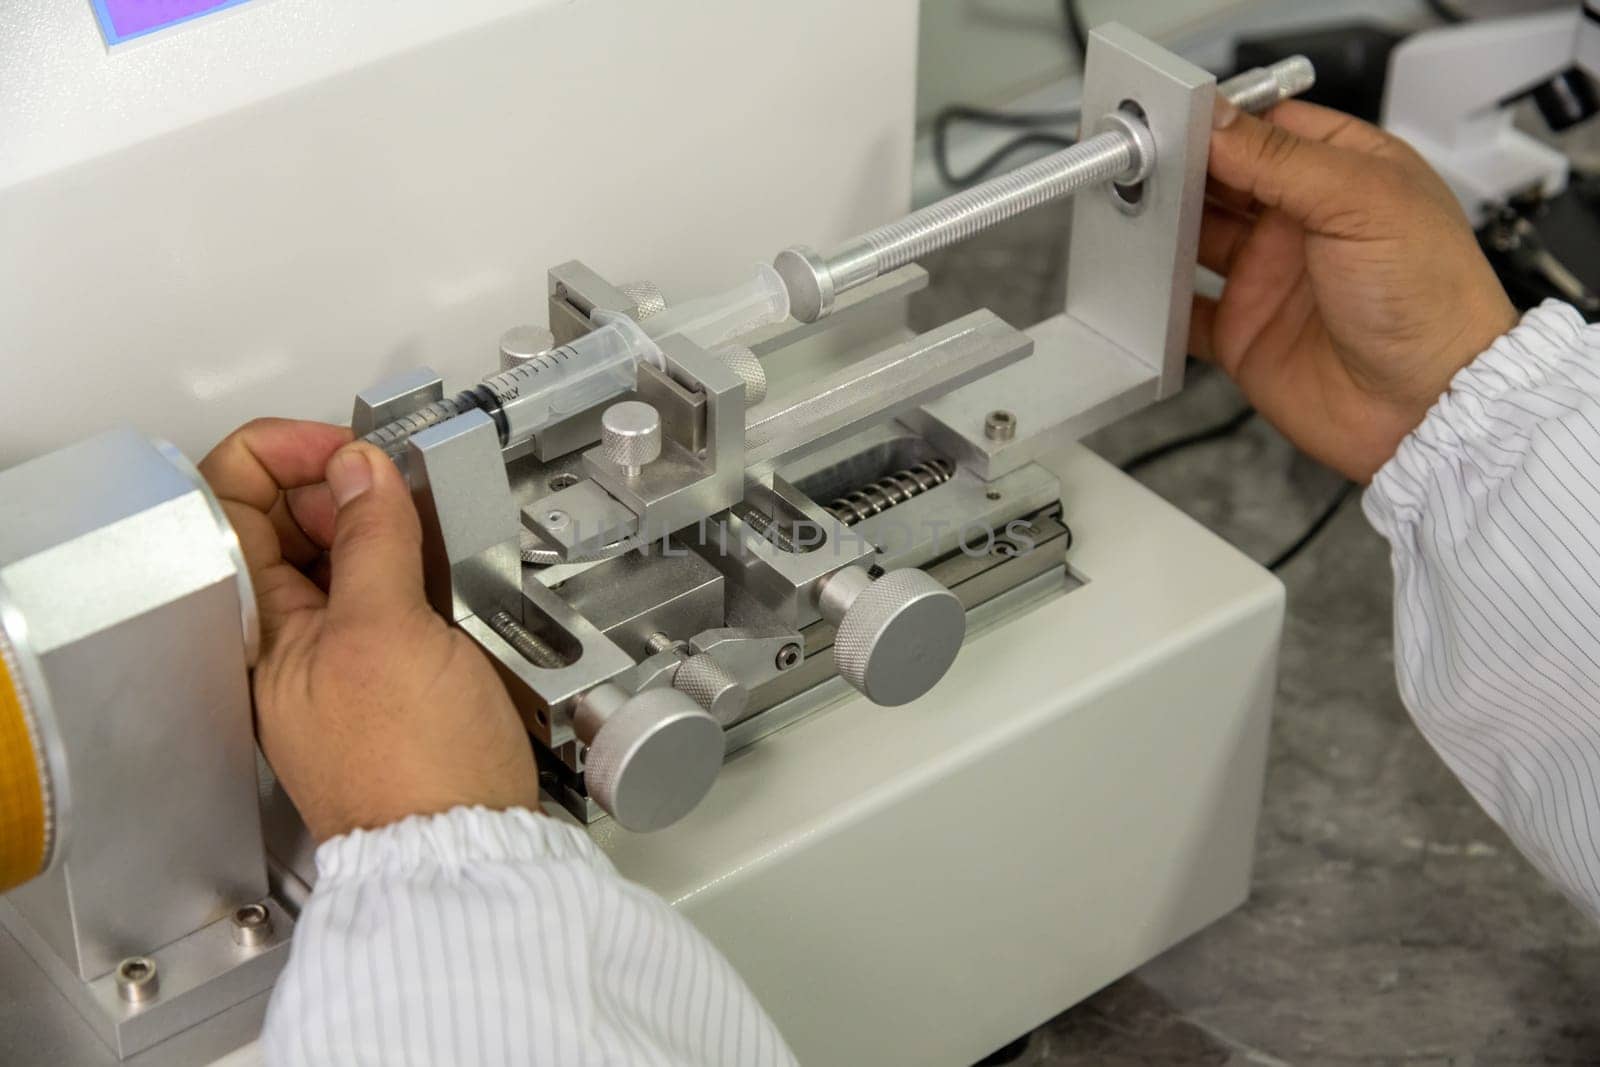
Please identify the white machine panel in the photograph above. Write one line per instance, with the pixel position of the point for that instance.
(339, 216)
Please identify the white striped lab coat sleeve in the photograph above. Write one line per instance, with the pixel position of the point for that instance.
(1492, 510)
(499, 938)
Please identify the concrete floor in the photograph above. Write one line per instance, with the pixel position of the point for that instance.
(1390, 921)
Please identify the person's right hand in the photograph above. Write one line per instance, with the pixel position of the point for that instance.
(1355, 288)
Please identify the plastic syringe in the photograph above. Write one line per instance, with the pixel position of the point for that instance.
(599, 365)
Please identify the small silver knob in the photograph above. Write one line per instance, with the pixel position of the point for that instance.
(896, 636)
(712, 687)
(652, 756)
(742, 361)
(646, 297)
(521, 343)
(630, 435)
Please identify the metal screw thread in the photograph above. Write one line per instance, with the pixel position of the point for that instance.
(659, 642)
(529, 645)
(766, 526)
(1262, 87)
(892, 489)
(1100, 158)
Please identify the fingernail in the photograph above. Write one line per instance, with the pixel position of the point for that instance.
(349, 475)
(1223, 112)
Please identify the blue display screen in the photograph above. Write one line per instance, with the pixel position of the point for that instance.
(121, 20)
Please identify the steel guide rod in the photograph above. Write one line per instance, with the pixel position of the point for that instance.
(1122, 150)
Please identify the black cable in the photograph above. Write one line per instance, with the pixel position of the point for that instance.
(986, 166)
(1228, 426)
(1444, 11)
(1077, 33)
(1282, 559)
(1211, 433)
(1078, 38)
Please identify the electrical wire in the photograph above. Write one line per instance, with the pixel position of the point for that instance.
(1444, 12)
(1284, 558)
(1019, 120)
(1077, 32)
(1232, 424)
(1078, 37)
(1227, 428)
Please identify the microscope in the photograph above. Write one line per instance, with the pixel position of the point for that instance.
(1452, 93)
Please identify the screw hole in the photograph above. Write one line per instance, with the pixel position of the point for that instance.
(543, 718)
(993, 494)
(251, 915)
(563, 481)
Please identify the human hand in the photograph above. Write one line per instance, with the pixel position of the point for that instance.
(369, 706)
(1355, 287)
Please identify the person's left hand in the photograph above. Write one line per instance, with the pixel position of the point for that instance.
(369, 706)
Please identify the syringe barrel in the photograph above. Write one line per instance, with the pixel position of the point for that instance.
(564, 381)
(598, 366)
(714, 320)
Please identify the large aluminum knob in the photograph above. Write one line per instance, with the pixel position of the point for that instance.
(742, 361)
(712, 687)
(646, 297)
(630, 435)
(897, 636)
(652, 756)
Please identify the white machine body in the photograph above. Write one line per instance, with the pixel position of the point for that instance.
(264, 210)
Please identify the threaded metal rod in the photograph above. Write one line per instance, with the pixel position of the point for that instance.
(529, 645)
(1122, 152)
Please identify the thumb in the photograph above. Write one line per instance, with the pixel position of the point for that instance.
(376, 556)
(1305, 177)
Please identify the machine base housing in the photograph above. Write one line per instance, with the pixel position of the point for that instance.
(923, 884)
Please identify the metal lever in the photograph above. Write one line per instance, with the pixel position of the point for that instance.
(1121, 151)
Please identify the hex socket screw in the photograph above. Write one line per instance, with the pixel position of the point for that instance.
(1000, 426)
(252, 926)
(138, 979)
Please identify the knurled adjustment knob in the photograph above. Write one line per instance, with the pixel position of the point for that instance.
(741, 359)
(652, 756)
(712, 687)
(522, 343)
(896, 636)
(630, 435)
(646, 297)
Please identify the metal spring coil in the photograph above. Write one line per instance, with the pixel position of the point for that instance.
(890, 490)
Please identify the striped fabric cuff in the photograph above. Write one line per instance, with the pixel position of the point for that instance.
(458, 839)
(1481, 400)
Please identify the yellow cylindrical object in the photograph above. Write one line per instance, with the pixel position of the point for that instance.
(24, 803)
